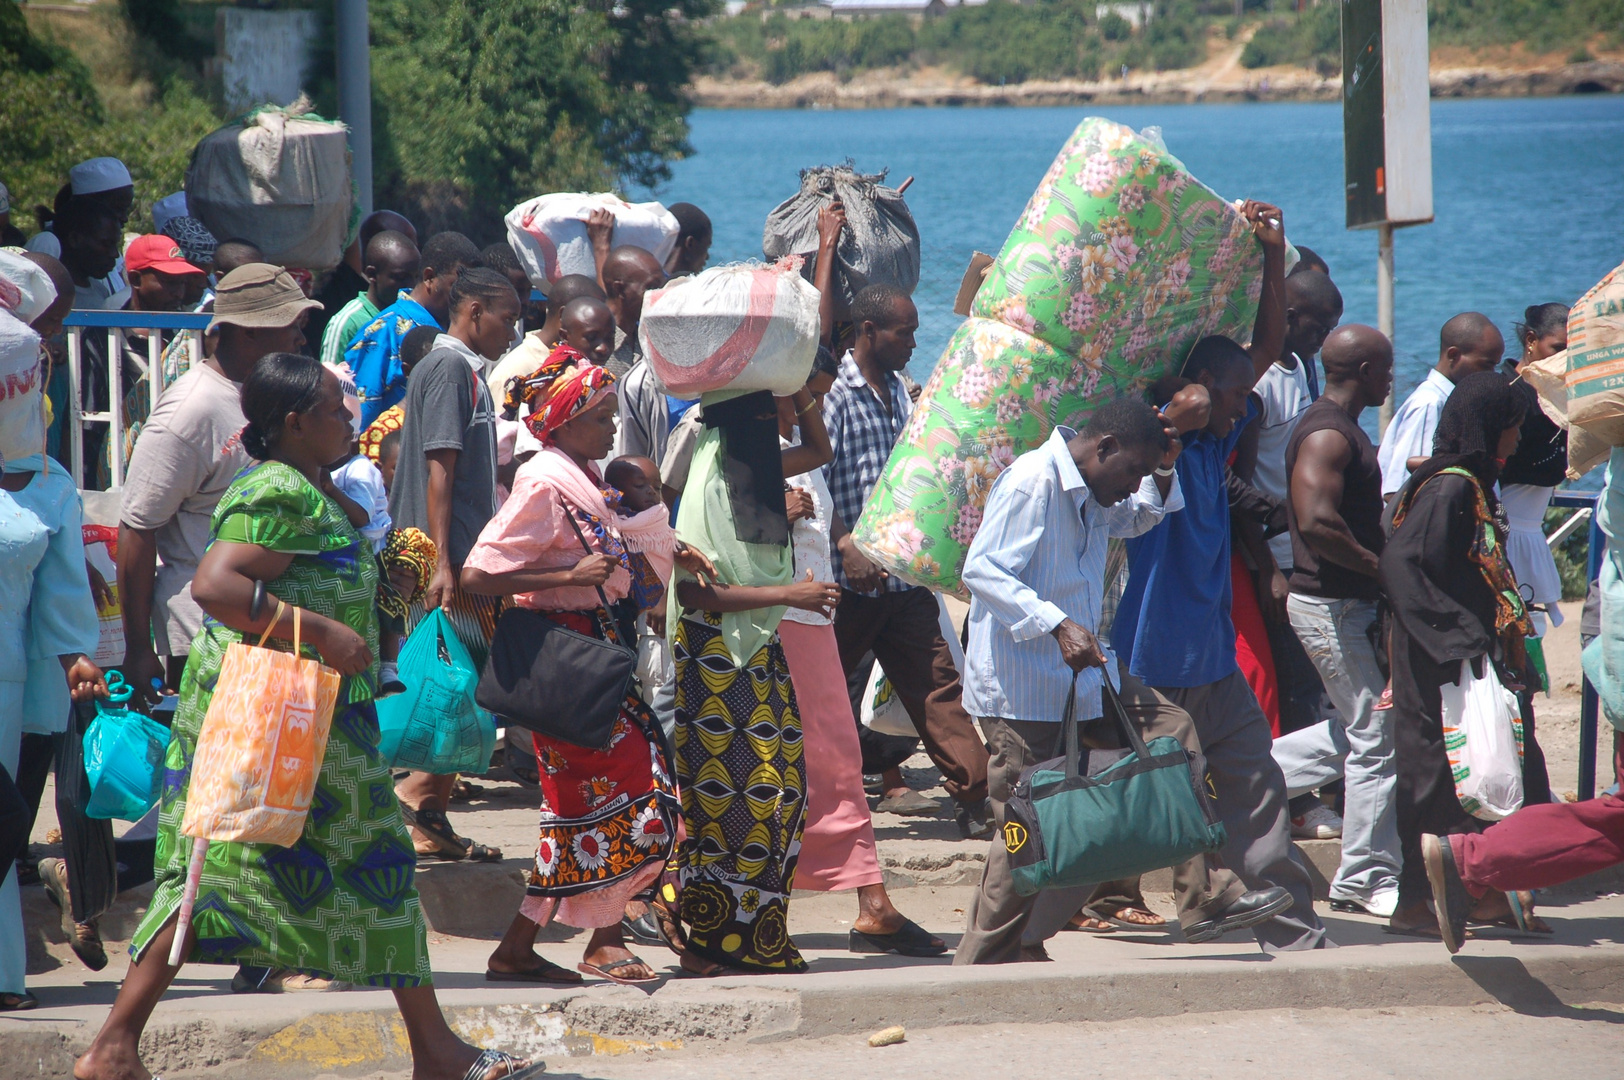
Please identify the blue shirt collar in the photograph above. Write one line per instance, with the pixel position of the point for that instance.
(1071, 478)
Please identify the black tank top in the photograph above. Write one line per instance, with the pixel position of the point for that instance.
(1361, 508)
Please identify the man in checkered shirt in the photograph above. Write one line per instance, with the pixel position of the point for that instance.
(865, 412)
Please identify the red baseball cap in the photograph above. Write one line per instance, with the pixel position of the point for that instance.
(157, 253)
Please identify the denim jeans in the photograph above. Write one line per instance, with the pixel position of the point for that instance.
(1356, 744)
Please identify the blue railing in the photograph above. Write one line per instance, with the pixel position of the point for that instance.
(116, 323)
(1589, 703)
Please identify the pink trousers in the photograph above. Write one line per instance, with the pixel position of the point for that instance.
(837, 842)
(1544, 845)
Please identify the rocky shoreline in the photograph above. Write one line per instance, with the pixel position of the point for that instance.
(887, 90)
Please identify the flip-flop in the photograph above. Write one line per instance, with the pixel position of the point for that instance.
(548, 973)
(20, 1003)
(1115, 919)
(910, 939)
(488, 1058)
(607, 971)
(1523, 918)
(1425, 933)
(1088, 916)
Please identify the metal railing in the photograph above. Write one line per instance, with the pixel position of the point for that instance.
(1589, 703)
(116, 323)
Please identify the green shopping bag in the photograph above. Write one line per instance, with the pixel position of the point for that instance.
(1100, 815)
(435, 725)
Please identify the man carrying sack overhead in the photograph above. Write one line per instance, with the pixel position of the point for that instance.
(1036, 573)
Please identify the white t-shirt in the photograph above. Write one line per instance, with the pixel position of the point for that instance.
(810, 537)
(1410, 434)
(1284, 393)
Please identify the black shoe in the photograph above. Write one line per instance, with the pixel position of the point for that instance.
(1259, 905)
(1449, 893)
(976, 822)
(910, 940)
(873, 784)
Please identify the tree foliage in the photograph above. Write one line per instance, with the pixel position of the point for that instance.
(51, 117)
(479, 104)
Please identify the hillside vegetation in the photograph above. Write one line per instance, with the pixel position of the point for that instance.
(1002, 42)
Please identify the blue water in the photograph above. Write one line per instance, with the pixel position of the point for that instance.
(1528, 194)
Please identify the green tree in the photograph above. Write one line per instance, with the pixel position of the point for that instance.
(480, 104)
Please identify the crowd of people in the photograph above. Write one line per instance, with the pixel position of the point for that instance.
(423, 433)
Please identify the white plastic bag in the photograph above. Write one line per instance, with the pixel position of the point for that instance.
(744, 327)
(99, 543)
(1484, 741)
(654, 665)
(882, 709)
(548, 233)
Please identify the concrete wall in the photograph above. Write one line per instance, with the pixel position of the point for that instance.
(263, 56)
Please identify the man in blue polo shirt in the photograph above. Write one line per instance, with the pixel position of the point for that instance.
(1173, 627)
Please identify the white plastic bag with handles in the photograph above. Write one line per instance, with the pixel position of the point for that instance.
(1484, 742)
(548, 233)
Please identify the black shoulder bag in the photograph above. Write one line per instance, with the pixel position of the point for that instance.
(554, 681)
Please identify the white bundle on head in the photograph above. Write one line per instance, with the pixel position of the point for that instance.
(25, 288)
(742, 327)
(22, 385)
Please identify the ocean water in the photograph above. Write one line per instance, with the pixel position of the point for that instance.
(1528, 194)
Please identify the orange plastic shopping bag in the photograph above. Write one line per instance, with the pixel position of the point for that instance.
(255, 764)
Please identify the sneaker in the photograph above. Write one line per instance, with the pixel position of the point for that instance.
(389, 683)
(1320, 823)
(1381, 906)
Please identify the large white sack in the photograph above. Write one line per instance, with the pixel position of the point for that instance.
(25, 288)
(743, 326)
(22, 417)
(280, 179)
(548, 233)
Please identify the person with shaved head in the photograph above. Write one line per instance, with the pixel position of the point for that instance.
(349, 277)
(629, 273)
(1334, 512)
(1468, 343)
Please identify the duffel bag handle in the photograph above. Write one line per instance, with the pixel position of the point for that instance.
(1111, 705)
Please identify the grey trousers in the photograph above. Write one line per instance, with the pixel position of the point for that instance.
(1237, 741)
(1001, 921)
(1357, 744)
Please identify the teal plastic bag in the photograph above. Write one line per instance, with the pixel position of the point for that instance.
(435, 726)
(124, 758)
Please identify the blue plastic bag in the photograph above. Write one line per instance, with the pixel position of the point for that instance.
(435, 726)
(124, 759)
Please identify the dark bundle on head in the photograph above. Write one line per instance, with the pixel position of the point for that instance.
(480, 283)
(1540, 320)
(1131, 421)
(280, 383)
(416, 345)
(448, 252)
(570, 287)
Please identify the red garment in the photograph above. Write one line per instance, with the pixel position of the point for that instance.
(1252, 650)
(1544, 845)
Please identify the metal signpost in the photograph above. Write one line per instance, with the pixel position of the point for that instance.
(1386, 132)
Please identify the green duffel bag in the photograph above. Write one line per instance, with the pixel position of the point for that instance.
(1098, 815)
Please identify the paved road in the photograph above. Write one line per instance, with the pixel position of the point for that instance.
(1485, 1043)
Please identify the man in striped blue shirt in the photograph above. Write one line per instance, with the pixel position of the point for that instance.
(1036, 573)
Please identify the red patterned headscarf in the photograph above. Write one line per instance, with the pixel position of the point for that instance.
(565, 386)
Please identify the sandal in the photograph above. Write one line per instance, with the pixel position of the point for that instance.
(463, 791)
(607, 971)
(1089, 923)
(1115, 916)
(83, 938)
(443, 840)
(18, 1002)
(517, 1068)
(910, 939)
(547, 972)
(664, 909)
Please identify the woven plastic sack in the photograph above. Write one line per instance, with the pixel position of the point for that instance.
(281, 179)
(548, 233)
(1120, 263)
(1595, 360)
(743, 327)
(261, 747)
(879, 245)
(435, 726)
(1483, 739)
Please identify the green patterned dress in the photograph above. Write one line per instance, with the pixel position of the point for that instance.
(340, 903)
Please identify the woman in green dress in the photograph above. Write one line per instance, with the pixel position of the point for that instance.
(340, 903)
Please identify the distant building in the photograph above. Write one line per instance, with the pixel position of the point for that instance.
(1137, 12)
(853, 9)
